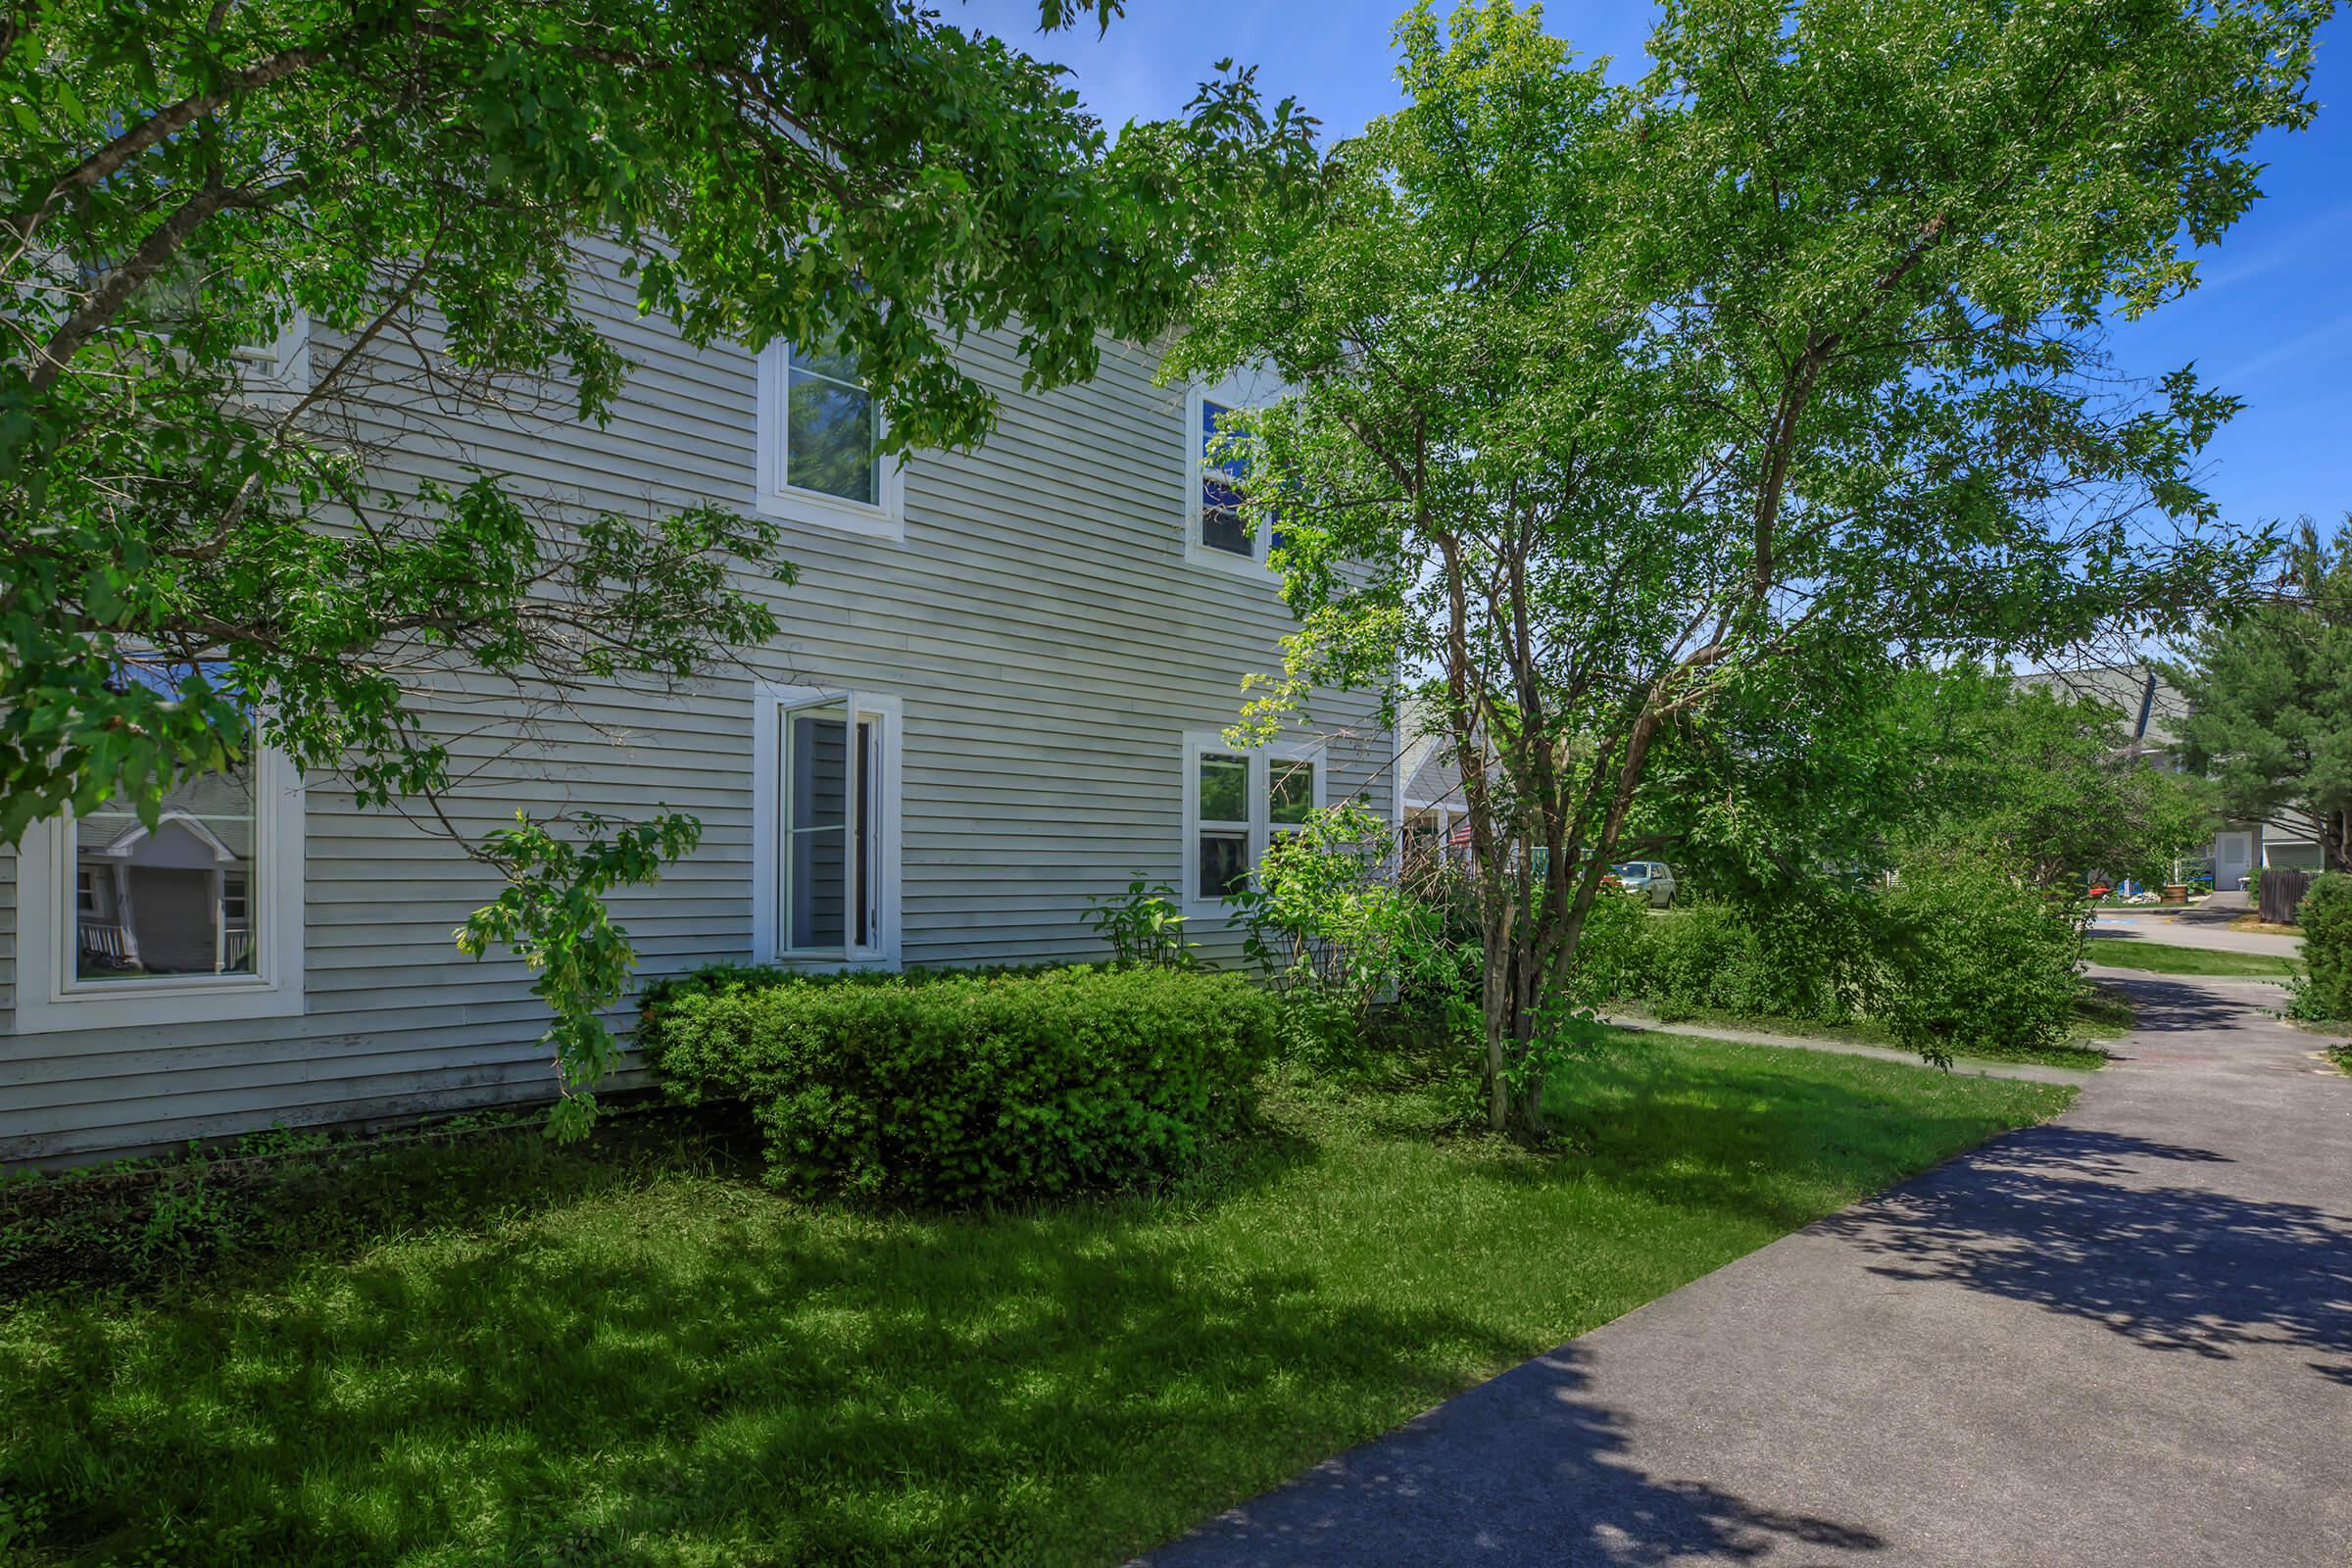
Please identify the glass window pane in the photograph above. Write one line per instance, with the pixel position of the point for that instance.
(815, 828)
(829, 438)
(1291, 790)
(869, 925)
(1224, 864)
(1222, 528)
(177, 900)
(1224, 787)
(1231, 463)
(836, 362)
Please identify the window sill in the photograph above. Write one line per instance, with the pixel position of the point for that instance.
(1247, 567)
(142, 1003)
(813, 510)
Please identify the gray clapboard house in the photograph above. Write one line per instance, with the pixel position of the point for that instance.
(998, 694)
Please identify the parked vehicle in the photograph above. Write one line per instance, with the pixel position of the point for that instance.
(1653, 879)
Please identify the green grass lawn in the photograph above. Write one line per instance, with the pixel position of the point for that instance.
(497, 1351)
(2161, 957)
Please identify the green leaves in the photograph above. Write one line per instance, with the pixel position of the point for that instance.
(553, 915)
(2269, 684)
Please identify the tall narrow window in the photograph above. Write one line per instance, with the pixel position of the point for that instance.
(828, 814)
(818, 435)
(829, 429)
(1290, 793)
(1223, 831)
(1218, 479)
(1221, 475)
(825, 844)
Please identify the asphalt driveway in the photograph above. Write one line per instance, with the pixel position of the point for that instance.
(2120, 1339)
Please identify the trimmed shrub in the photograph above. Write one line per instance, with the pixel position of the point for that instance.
(959, 1089)
(2324, 919)
(1978, 960)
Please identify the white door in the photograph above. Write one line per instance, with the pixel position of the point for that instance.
(2232, 858)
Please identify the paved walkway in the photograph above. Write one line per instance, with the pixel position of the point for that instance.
(2205, 926)
(1967, 1067)
(2120, 1339)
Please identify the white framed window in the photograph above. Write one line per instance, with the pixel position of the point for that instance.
(277, 373)
(196, 919)
(1236, 804)
(1216, 534)
(818, 429)
(825, 827)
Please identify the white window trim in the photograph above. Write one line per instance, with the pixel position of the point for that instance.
(1237, 392)
(277, 373)
(1263, 827)
(49, 1000)
(773, 497)
(770, 700)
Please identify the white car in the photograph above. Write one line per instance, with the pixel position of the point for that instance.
(1653, 879)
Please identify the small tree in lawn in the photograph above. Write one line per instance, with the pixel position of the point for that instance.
(2270, 695)
(200, 562)
(1782, 361)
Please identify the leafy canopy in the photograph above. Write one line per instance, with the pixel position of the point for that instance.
(1608, 399)
(1763, 801)
(2271, 697)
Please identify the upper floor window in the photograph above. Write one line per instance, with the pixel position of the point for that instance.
(819, 437)
(1217, 531)
(277, 373)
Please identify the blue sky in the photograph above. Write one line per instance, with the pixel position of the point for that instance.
(2272, 323)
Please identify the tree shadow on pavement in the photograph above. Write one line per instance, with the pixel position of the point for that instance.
(2052, 1216)
(1519, 1470)
(2176, 1007)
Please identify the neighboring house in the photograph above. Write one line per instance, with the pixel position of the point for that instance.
(997, 695)
(2152, 709)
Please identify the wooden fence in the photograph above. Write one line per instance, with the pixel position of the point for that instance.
(2282, 892)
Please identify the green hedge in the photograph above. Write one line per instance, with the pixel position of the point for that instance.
(2324, 919)
(947, 1088)
(1958, 956)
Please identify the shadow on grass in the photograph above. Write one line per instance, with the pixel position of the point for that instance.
(2084, 1223)
(635, 1354)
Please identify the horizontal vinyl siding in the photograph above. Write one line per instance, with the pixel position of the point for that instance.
(1040, 624)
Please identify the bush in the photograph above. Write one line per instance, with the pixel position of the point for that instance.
(1812, 959)
(959, 1089)
(1978, 960)
(2326, 920)
(1345, 930)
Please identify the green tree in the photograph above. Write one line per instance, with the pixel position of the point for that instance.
(1756, 800)
(2270, 697)
(1608, 399)
(201, 562)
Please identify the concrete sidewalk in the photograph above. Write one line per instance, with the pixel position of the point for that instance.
(1965, 1068)
(2121, 1339)
(2194, 928)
